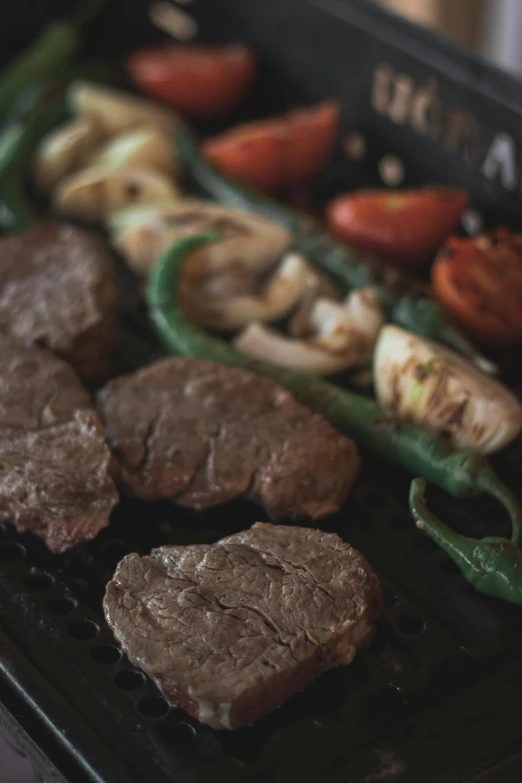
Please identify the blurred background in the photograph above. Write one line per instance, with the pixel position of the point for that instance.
(492, 28)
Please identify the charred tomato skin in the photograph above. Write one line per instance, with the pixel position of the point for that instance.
(479, 281)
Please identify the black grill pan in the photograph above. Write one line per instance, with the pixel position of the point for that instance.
(436, 698)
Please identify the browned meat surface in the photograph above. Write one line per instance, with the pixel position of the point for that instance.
(231, 630)
(36, 388)
(57, 290)
(204, 434)
(54, 463)
(55, 481)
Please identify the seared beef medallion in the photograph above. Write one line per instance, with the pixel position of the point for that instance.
(203, 433)
(57, 290)
(54, 463)
(36, 388)
(231, 630)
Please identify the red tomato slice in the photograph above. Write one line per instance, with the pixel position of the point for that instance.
(199, 81)
(406, 227)
(313, 134)
(279, 153)
(479, 281)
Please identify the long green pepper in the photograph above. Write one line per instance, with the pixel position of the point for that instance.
(464, 474)
(404, 301)
(21, 135)
(17, 144)
(492, 565)
(54, 48)
(34, 71)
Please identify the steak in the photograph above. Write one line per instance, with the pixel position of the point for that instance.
(56, 482)
(54, 463)
(36, 388)
(204, 434)
(231, 630)
(57, 290)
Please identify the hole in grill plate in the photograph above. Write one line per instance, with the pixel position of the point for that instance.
(38, 582)
(83, 629)
(182, 732)
(106, 654)
(411, 624)
(11, 552)
(153, 707)
(129, 680)
(61, 606)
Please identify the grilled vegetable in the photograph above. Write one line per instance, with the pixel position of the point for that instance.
(29, 122)
(463, 473)
(47, 56)
(275, 300)
(62, 151)
(140, 233)
(479, 281)
(198, 81)
(248, 242)
(492, 565)
(93, 194)
(344, 336)
(404, 301)
(441, 392)
(316, 286)
(272, 154)
(113, 111)
(16, 146)
(144, 147)
(406, 227)
(55, 47)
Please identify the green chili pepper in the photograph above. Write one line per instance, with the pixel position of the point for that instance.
(47, 107)
(47, 57)
(16, 148)
(492, 565)
(404, 299)
(464, 473)
(54, 47)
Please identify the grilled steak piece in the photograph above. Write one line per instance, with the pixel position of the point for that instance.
(36, 388)
(54, 463)
(204, 434)
(55, 481)
(57, 290)
(231, 630)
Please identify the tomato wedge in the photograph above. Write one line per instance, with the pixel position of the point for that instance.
(405, 227)
(201, 82)
(270, 155)
(479, 281)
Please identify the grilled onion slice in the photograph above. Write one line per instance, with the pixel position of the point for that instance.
(437, 389)
(344, 336)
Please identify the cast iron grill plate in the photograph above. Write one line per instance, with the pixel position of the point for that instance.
(436, 697)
